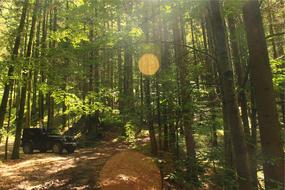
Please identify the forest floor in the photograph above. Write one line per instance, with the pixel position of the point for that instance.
(82, 170)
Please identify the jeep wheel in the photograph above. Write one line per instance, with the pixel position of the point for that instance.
(57, 148)
(70, 150)
(28, 148)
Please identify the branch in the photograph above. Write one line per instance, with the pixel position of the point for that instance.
(189, 47)
(273, 35)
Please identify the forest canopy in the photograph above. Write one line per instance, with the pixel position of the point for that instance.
(204, 80)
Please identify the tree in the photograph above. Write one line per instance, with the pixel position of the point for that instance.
(20, 114)
(229, 97)
(186, 99)
(261, 75)
(74, 66)
(9, 84)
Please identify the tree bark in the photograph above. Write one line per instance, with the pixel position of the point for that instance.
(8, 126)
(186, 100)
(43, 53)
(20, 114)
(149, 117)
(9, 85)
(50, 99)
(240, 72)
(253, 137)
(260, 71)
(242, 99)
(230, 99)
(120, 69)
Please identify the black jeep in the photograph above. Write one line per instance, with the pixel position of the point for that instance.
(43, 140)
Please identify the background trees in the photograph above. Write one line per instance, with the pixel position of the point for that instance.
(215, 104)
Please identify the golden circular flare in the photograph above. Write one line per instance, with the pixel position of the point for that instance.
(149, 64)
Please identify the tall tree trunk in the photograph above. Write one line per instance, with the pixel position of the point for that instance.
(209, 78)
(149, 116)
(50, 99)
(240, 72)
(66, 64)
(36, 70)
(8, 126)
(128, 80)
(229, 97)
(193, 41)
(271, 31)
(20, 114)
(147, 90)
(9, 85)
(28, 102)
(165, 63)
(260, 71)
(157, 34)
(50, 110)
(141, 99)
(90, 72)
(120, 69)
(186, 100)
(242, 99)
(128, 102)
(42, 72)
(228, 148)
(253, 137)
(158, 107)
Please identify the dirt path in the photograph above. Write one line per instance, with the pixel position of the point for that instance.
(130, 170)
(80, 170)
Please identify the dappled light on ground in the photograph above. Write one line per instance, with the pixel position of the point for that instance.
(130, 170)
(51, 171)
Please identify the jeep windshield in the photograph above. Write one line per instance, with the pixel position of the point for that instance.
(53, 131)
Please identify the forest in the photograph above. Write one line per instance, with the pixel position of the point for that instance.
(159, 94)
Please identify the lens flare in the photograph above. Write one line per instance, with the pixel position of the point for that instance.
(148, 64)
